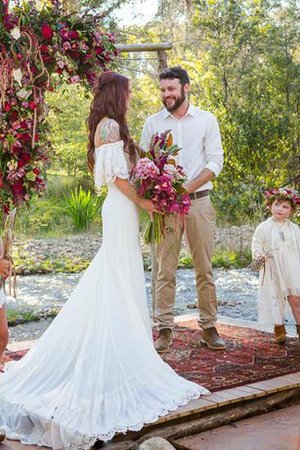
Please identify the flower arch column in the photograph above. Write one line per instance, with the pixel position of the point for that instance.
(40, 47)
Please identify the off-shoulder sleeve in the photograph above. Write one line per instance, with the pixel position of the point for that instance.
(110, 163)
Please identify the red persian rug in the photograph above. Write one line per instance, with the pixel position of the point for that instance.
(250, 356)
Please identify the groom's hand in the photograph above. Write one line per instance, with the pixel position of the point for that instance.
(4, 267)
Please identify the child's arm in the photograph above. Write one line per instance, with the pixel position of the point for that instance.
(258, 243)
(298, 239)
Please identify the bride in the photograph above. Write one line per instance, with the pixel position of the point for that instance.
(95, 372)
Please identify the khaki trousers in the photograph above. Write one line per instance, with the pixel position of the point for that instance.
(200, 229)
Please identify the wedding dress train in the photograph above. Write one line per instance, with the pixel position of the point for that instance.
(95, 372)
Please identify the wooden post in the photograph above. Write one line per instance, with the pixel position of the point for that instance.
(162, 60)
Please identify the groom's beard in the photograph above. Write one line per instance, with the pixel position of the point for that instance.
(177, 103)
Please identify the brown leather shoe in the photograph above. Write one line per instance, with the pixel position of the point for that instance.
(164, 340)
(2, 437)
(211, 338)
(280, 334)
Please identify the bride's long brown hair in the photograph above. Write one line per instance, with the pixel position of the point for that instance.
(110, 100)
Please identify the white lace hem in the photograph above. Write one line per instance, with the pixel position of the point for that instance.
(84, 442)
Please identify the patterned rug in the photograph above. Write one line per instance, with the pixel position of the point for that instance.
(250, 356)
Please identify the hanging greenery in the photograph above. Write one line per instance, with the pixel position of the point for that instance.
(40, 47)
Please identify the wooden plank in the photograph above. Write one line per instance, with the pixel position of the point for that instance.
(220, 418)
(144, 47)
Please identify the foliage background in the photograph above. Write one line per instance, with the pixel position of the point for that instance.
(243, 58)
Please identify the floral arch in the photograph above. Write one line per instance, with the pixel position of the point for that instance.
(40, 47)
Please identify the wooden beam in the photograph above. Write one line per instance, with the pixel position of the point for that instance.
(144, 47)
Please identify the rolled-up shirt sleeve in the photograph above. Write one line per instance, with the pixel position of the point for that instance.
(213, 147)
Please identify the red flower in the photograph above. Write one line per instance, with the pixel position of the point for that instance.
(7, 107)
(16, 147)
(32, 105)
(24, 159)
(99, 50)
(18, 189)
(73, 35)
(14, 116)
(44, 48)
(36, 170)
(47, 31)
(47, 59)
(25, 137)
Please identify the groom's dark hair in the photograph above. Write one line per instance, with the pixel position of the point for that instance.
(175, 72)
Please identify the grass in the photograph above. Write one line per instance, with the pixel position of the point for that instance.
(15, 317)
(228, 259)
(48, 216)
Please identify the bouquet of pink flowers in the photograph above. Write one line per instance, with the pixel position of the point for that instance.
(158, 177)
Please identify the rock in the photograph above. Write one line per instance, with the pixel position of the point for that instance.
(155, 443)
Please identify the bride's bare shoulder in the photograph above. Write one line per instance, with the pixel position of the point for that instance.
(107, 132)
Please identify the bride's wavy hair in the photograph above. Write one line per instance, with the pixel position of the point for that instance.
(110, 100)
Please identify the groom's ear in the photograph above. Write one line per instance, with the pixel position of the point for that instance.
(186, 88)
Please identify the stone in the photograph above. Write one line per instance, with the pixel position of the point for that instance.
(155, 443)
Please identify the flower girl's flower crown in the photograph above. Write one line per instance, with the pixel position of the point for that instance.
(282, 194)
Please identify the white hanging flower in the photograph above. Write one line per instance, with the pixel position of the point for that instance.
(15, 33)
(39, 5)
(24, 94)
(17, 74)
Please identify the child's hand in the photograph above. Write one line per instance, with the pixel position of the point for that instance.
(4, 267)
(257, 263)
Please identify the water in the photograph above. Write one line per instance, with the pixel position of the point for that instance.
(236, 290)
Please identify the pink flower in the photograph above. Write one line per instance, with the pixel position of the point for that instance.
(146, 168)
(66, 45)
(75, 79)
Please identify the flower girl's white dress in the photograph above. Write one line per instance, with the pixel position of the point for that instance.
(95, 372)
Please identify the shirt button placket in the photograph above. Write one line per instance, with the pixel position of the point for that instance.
(179, 140)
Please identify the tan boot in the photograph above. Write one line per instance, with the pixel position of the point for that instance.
(211, 338)
(164, 340)
(2, 437)
(298, 330)
(280, 334)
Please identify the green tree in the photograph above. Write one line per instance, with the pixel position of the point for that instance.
(68, 111)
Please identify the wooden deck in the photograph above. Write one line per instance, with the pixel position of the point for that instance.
(219, 408)
(214, 410)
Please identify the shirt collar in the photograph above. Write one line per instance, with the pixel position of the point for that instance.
(190, 112)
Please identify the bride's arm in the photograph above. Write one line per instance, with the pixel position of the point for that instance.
(108, 132)
(127, 189)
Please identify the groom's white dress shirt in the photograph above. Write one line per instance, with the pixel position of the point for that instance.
(197, 133)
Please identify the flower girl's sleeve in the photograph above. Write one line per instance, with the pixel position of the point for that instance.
(258, 242)
(110, 163)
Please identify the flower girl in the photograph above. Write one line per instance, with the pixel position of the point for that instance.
(276, 244)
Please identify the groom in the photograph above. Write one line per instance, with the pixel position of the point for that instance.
(197, 133)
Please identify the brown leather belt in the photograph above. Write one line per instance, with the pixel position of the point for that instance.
(199, 194)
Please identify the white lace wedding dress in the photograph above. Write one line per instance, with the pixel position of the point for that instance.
(95, 372)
